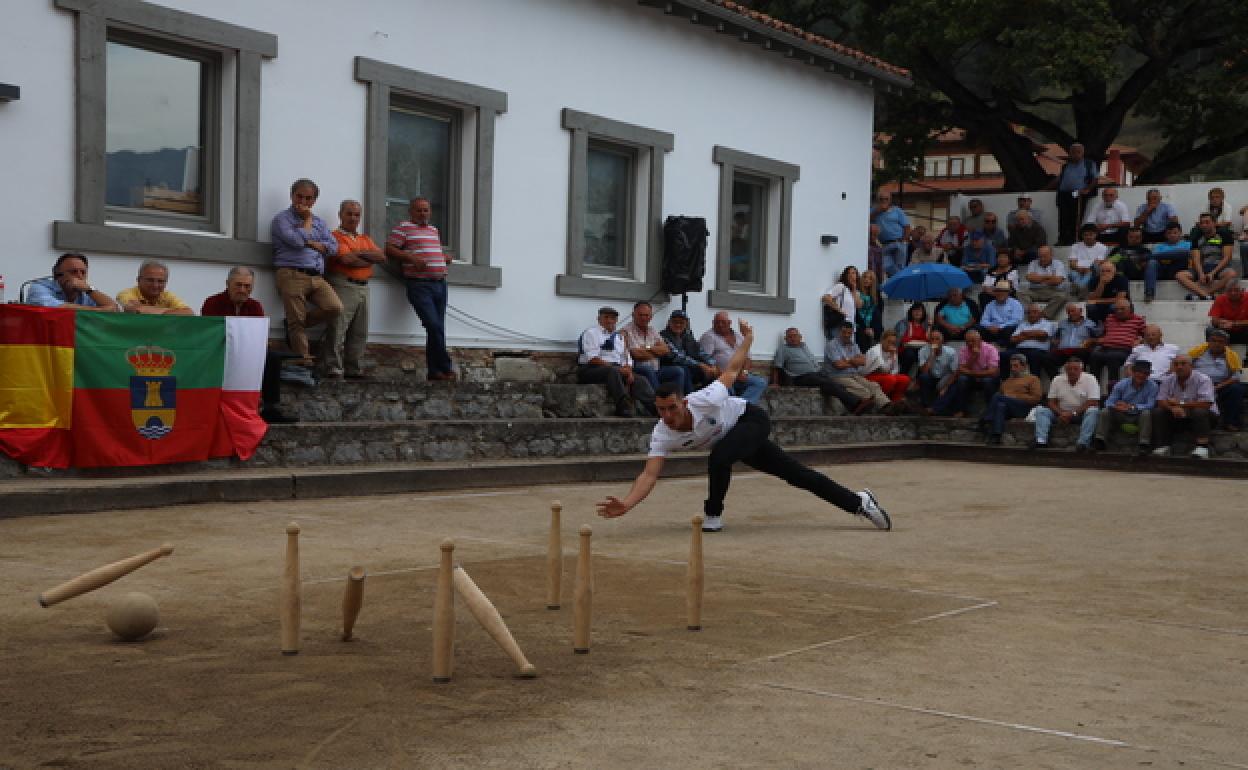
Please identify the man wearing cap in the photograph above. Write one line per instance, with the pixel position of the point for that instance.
(683, 350)
(1046, 280)
(604, 358)
(1229, 313)
(894, 232)
(1020, 392)
(1130, 401)
(1033, 339)
(1221, 365)
(1073, 399)
(1001, 316)
(978, 255)
(803, 370)
(1185, 398)
(1157, 353)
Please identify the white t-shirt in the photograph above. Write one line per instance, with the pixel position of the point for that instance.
(1085, 257)
(715, 410)
(1072, 397)
(843, 297)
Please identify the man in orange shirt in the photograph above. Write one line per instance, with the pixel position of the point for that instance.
(348, 272)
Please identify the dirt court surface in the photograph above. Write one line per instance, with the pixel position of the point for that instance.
(1014, 618)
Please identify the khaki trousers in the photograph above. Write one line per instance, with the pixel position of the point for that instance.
(296, 288)
(346, 334)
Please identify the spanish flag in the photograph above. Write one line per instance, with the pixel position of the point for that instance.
(89, 390)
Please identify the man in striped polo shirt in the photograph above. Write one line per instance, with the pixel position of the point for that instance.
(416, 245)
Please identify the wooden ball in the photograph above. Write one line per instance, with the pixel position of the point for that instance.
(132, 616)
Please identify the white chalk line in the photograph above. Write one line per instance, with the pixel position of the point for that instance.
(459, 495)
(961, 717)
(1187, 626)
(872, 632)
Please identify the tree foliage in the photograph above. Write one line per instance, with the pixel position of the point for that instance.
(1068, 71)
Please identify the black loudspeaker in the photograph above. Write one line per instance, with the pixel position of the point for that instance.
(684, 254)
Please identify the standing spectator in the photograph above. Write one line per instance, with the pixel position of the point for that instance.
(416, 244)
(1075, 183)
(720, 342)
(1033, 339)
(993, 232)
(684, 350)
(1108, 288)
(1131, 401)
(1123, 330)
(869, 312)
(69, 288)
(1209, 264)
(1001, 316)
(1222, 365)
(1084, 257)
(301, 244)
(1025, 239)
(796, 361)
(951, 239)
(840, 302)
(882, 367)
(1185, 398)
(647, 348)
(1024, 204)
(975, 221)
(1073, 399)
(955, 314)
(844, 362)
(978, 256)
(894, 231)
(149, 295)
(1019, 394)
(1229, 313)
(1076, 336)
(938, 375)
(875, 249)
(603, 359)
(1111, 217)
(349, 271)
(1046, 281)
(1153, 215)
(912, 335)
(1166, 260)
(979, 368)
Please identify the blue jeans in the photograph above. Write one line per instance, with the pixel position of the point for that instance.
(893, 256)
(966, 383)
(677, 374)
(428, 299)
(1045, 419)
(1001, 408)
(1080, 283)
(1162, 266)
(751, 389)
(929, 395)
(1231, 403)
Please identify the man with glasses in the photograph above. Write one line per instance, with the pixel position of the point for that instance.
(149, 295)
(69, 287)
(894, 233)
(993, 233)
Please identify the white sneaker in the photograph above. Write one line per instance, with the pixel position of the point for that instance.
(1201, 453)
(1161, 451)
(871, 509)
(712, 523)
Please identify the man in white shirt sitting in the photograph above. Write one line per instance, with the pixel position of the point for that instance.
(604, 358)
(735, 431)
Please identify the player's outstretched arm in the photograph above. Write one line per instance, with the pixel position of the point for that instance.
(642, 486)
(740, 356)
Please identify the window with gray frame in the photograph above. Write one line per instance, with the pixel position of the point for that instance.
(615, 205)
(752, 241)
(433, 138)
(158, 92)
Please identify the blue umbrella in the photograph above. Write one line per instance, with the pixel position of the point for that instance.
(925, 281)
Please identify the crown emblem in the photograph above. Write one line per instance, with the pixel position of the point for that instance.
(151, 361)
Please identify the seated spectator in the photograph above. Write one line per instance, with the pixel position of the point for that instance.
(1020, 392)
(1033, 339)
(1130, 402)
(1084, 257)
(720, 342)
(938, 375)
(236, 301)
(1004, 270)
(868, 312)
(603, 358)
(1222, 365)
(916, 236)
(1132, 258)
(1111, 217)
(1025, 237)
(955, 314)
(1185, 398)
(979, 368)
(1209, 263)
(1167, 259)
(68, 287)
(1123, 330)
(844, 360)
(1229, 313)
(975, 219)
(1153, 215)
(883, 368)
(912, 335)
(1046, 280)
(952, 238)
(801, 367)
(647, 348)
(1108, 288)
(1076, 336)
(150, 295)
(1222, 210)
(978, 256)
(993, 232)
(1001, 316)
(1024, 204)
(1153, 349)
(926, 251)
(683, 350)
(840, 302)
(1073, 399)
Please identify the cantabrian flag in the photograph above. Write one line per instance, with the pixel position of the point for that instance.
(91, 390)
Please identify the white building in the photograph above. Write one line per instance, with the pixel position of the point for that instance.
(553, 137)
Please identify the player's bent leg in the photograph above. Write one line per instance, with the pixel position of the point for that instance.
(736, 445)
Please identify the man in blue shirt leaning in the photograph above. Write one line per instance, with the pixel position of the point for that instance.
(69, 287)
(301, 244)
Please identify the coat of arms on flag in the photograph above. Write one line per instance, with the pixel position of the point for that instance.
(153, 392)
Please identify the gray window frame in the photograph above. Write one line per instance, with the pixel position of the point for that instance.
(386, 81)
(179, 31)
(729, 294)
(581, 280)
